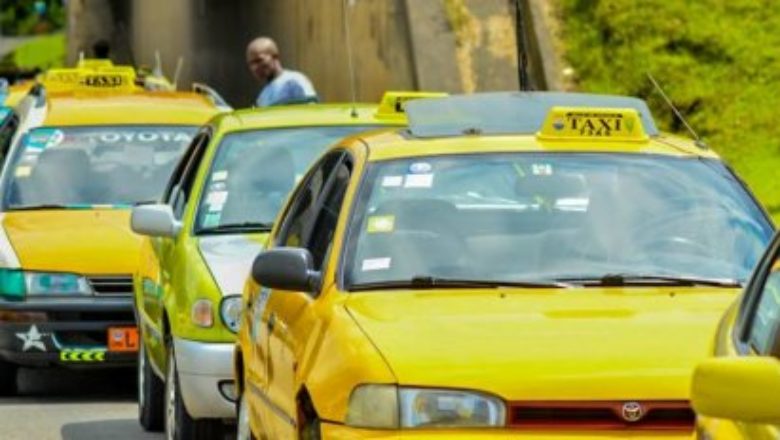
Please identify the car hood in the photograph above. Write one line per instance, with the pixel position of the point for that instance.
(88, 241)
(230, 257)
(552, 344)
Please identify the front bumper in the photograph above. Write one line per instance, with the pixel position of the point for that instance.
(341, 432)
(203, 367)
(69, 332)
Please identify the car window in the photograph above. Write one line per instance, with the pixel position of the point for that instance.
(764, 324)
(542, 217)
(96, 165)
(180, 193)
(175, 180)
(321, 239)
(298, 222)
(254, 171)
(7, 131)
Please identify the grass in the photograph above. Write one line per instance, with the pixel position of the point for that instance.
(43, 52)
(719, 60)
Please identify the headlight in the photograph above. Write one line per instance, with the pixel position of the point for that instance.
(16, 284)
(230, 312)
(388, 406)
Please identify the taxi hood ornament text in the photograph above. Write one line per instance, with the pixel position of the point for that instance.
(632, 412)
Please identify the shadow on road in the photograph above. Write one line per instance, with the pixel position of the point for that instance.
(64, 385)
(106, 429)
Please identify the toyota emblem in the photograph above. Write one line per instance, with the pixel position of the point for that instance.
(632, 411)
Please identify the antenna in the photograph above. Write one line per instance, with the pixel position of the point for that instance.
(157, 71)
(81, 56)
(179, 65)
(522, 46)
(346, 5)
(699, 143)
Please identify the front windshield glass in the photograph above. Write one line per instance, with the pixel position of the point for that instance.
(552, 217)
(254, 171)
(98, 165)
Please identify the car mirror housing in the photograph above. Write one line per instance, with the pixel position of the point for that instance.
(154, 220)
(746, 389)
(286, 268)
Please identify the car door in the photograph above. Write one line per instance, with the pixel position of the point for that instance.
(287, 317)
(760, 328)
(158, 252)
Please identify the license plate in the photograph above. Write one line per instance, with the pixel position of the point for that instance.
(122, 339)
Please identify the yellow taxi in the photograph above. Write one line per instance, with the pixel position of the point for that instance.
(737, 392)
(66, 249)
(532, 265)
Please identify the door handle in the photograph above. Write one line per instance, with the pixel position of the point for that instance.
(271, 322)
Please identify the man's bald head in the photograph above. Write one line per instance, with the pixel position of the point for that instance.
(262, 57)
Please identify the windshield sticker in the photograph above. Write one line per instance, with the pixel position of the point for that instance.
(212, 219)
(381, 223)
(418, 181)
(370, 264)
(43, 137)
(23, 171)
(542, 169)
(392, 181)
(219, 175)
(217, 198)
(144, 136)
(420, 168)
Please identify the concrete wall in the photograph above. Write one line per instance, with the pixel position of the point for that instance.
(450, 45)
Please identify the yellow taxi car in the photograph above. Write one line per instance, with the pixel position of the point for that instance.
(533, 265)
(66, 249)
(202, 238)
(737, 392)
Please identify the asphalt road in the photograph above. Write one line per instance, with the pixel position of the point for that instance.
(72, 405)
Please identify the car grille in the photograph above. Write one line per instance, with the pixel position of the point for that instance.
(598, 415)
(111, 285)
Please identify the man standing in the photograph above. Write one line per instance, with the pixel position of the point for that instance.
(280, 86)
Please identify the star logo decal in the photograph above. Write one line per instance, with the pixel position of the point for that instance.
(32, 339)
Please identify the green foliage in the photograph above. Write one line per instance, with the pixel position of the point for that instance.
(719, 61)
(31, 17)
(42, 52)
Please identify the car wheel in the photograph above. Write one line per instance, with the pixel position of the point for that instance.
(243, 431)
(7, 378)
(150, 394)
(178, 423)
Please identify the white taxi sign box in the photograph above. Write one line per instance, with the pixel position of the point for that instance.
(601, 124)
(393, 104)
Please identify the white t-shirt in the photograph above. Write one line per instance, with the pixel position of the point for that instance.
(289, 87)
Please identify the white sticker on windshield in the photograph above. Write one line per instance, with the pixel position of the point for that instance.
(392, 181)
(542, 169)
(370, 264)
(219, 175)
(420, 168)
(55, 139)
(418, 181)
(217, 198)
(23, 171)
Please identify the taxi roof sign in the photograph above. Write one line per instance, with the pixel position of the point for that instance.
(393, 104)
(94, 63)
(587, 123)
(114, 80)
(60, 79)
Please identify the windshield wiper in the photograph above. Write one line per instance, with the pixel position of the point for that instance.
(40, 207)
(627, 279)
(238, 227)
(431, 282)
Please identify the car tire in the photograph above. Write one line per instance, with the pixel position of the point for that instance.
(179, 425)
(8, 378)
(151, 389)
(243, 430)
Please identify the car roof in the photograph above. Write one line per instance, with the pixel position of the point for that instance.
(158, 107)
(303, 115)
(521, 122)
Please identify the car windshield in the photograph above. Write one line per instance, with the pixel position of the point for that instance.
(254, 171)
(532, 217)
(71, 167)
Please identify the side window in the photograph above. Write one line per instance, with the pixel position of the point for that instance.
(298, 222)
(178, 172)
(325, 225)
(180, 190)
(763, 327)
(7, 131)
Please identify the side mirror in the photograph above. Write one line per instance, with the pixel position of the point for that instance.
(286, 268)
(155, 221)
(746, 389)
